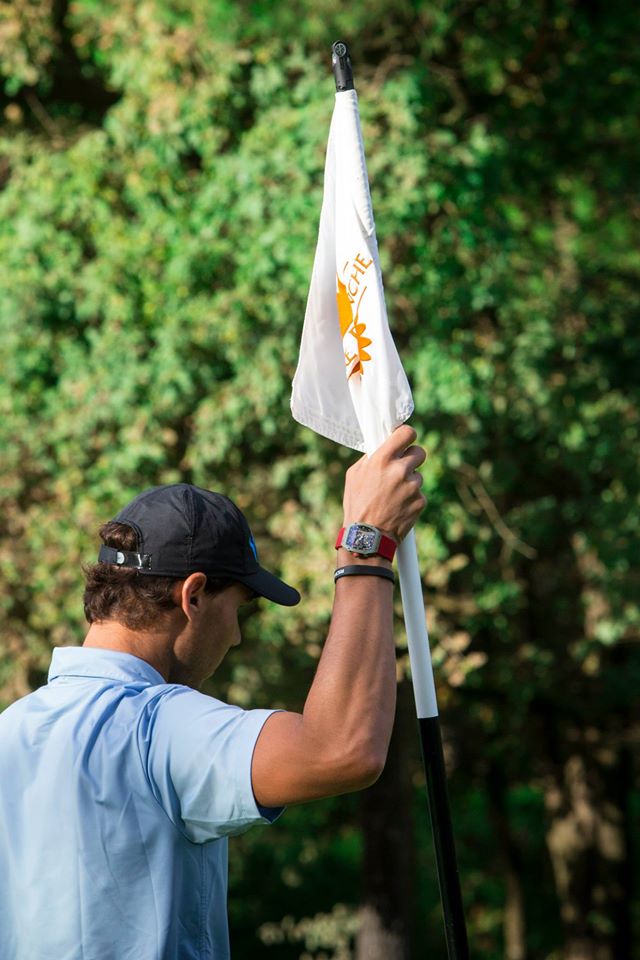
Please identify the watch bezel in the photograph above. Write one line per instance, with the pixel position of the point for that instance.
(351, 531)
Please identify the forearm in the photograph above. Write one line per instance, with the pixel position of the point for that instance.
(350, 707)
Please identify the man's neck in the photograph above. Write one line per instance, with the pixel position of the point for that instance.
(155, 648)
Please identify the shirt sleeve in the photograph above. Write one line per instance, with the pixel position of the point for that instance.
(198, 754)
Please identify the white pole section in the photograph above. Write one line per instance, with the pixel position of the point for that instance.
(424, 689)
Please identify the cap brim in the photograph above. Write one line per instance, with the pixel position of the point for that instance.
(271, 587)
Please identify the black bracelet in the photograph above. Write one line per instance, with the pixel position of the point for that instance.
(360, 570)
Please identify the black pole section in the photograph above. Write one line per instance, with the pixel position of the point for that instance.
(448, 880)
(341, 63)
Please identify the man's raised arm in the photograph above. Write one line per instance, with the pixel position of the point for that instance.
(339, 743)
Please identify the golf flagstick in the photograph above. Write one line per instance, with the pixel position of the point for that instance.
(350, 386)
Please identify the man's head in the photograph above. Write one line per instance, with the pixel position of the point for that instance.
(117, 592)
(179, 556)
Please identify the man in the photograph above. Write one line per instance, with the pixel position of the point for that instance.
(120, 782)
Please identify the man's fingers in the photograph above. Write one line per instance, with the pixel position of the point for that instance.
(401, 438)
(384, 488)
(414, 457)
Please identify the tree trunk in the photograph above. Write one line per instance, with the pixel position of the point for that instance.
(514, 924)
(586, 766)
(588, 841)
(388, 863)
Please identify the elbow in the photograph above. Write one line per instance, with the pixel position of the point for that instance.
(347, 767)
(373, 769)
(367, 778)
(365, 769)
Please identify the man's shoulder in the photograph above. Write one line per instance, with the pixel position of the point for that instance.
(12, 712)
(178, 693)
(174, 703)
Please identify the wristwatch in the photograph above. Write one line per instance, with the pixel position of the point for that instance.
(365, 540)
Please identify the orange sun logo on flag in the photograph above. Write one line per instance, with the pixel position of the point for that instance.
(349, 295)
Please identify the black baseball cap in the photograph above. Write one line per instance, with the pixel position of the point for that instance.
(182, 529)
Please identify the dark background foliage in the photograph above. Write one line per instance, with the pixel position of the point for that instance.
(161, 170)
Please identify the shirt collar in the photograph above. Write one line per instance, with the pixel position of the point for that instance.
(99, 662)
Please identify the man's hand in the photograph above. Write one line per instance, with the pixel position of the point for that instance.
(384, 489)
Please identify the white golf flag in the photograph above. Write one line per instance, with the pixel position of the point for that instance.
(349, 385)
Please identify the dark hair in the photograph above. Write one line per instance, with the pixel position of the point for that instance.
(138, 601)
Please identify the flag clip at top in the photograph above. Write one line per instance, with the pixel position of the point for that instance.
(349, 385)
(341, 63)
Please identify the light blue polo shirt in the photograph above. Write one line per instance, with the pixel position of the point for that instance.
(117, 794)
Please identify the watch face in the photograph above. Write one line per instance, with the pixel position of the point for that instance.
(361, 539)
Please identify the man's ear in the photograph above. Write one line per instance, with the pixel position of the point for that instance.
(191, 592)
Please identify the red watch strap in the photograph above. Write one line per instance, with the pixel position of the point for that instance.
(387, 548)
